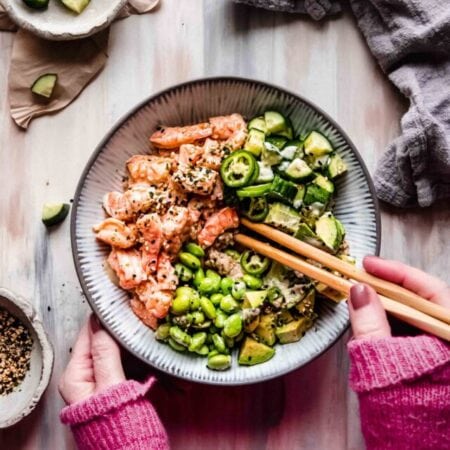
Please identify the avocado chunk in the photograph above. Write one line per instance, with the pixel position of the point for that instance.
(265, 330)
(254, 299)
(253, 352)
(293, 331)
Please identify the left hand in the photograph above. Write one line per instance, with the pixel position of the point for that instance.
(95, 364)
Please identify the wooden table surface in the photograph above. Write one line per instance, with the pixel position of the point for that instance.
(328, 63)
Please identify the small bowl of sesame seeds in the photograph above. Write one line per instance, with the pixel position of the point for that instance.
(26, 358)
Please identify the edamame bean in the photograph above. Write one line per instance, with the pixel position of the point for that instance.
(252, 282)
(198, 277)
(198, 317)
(215, 298)
(186, 291)
(202, 326)
(180, 336)
(219, 343)
(219, 362)
(225, 285)
(219, 322)
(183, 273)
(238, 289)
(233, 326)
(184, 321)
(228, 304)
(212, 353)
(162, 332)
(180, 305)
(203, 350)
(190, 260)
(195, 302)
(197, 341)
(208, 307)
(195, 249)
(229, 342)
(208, 286)
(175, 345)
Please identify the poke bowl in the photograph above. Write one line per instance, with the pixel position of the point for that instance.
(156, 208)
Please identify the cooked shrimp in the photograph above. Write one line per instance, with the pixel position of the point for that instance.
(116, 233)
(141, 311)
(173, 137)
(156, 299)
(125, 206)
(196, 180)
(216, 224)
(211, 155)
(149, 169)
(175, 220)
(117, 205)
(128, 267)
(232, 129)
(149, 226)
(190, 153)
(165, 274)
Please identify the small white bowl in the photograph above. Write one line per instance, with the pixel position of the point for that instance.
(57, 23)
(20, 402)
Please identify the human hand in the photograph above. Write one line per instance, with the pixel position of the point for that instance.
(367, 315)
(95, 364)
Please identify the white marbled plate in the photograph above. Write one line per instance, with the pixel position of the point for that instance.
(59, 23)
(188, 103)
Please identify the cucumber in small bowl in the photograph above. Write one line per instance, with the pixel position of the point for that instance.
(77, 6)
(37, 4)
(54, 213)
(44, 85)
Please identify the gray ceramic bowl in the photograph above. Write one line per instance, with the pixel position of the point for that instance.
(57, 23)
(19, 403)
(189, 103)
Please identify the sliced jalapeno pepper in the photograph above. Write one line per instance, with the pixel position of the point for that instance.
(237, 170)
(253, 263)
(255, 209)
(254, 191)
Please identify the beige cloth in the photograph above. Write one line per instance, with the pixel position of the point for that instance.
(75, 62)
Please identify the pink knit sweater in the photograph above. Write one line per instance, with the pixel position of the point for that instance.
(403, 386)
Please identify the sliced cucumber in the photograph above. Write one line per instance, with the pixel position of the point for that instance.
(283, 217)
(324, 183)
(45, 85)
(265, 173)
(258, 123)
(329, 231)
(288, 153)
(317, 144)
(292, 149)
(37, 4)
(255, 141)
(283, 190)
(320, 163)
(316, 194)
(270, 154)
(298, 200)
(77, 6)
(288, 132)
(54, 213)
(275, 122)
(336, 166)
(278, 141)
(298, 170)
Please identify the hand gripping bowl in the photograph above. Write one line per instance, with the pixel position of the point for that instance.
(189, 103)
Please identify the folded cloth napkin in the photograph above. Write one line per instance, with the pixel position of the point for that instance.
(317, 9)
(75, 62)
(411, 41)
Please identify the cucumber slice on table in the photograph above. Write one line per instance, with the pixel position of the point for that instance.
(37, 4)
(54, 213)
(258, 123)
(255, 141)
(275, 122)
(336, 166)
(317, 144)
(45, 85)
(77, 6)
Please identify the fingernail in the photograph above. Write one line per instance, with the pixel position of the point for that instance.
(359, 296)
(95, 324)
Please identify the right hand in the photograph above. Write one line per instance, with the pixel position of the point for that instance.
(367, 315)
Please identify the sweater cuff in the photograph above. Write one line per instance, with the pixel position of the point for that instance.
(105, 401)
(381, 362)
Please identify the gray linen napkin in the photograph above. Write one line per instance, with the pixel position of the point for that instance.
(411, 41)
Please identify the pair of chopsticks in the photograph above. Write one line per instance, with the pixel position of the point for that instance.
(398, 301)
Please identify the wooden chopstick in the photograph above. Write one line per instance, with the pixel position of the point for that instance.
(398, 293)
(403, 312)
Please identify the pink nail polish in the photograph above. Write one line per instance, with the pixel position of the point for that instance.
(359, 296)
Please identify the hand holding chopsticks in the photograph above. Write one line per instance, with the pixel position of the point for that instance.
(397, 300)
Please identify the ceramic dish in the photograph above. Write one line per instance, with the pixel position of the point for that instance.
(20, 402)
(189, 103)
(58, 23)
